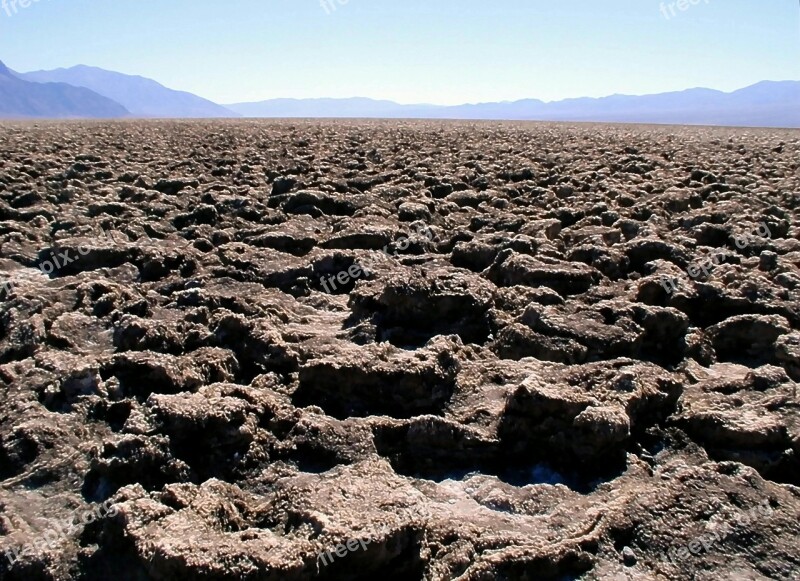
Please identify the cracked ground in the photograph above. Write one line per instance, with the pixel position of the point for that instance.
(516, 396)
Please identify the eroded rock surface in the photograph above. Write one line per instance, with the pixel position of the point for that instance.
(470, 351)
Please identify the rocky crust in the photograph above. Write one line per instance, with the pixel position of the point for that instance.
(515, 379)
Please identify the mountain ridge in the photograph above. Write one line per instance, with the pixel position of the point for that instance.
(22, 99)
(763, 104)
(142, 96)
(766, 103)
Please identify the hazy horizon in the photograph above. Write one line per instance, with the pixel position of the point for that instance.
(367, 97)
(532, 97)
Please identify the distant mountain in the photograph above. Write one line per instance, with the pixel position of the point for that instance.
(142, 97)
(766, 104)
(23, 99)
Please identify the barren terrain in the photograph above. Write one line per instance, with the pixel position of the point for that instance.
(530, 378)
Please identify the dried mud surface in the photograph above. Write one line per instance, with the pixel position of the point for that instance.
(515, 396)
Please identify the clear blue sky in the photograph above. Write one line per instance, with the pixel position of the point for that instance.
(434, 51)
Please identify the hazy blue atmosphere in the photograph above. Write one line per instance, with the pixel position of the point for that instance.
(412, 51)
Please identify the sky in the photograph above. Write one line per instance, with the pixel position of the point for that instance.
(412, 51)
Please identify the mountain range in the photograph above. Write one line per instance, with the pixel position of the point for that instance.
(767, 104)
(23, 99)
(83, 91)
(142, 97)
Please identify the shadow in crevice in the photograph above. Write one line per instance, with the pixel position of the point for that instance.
(414, 333)
(567, 567)
(363, 392)
(452, 459)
